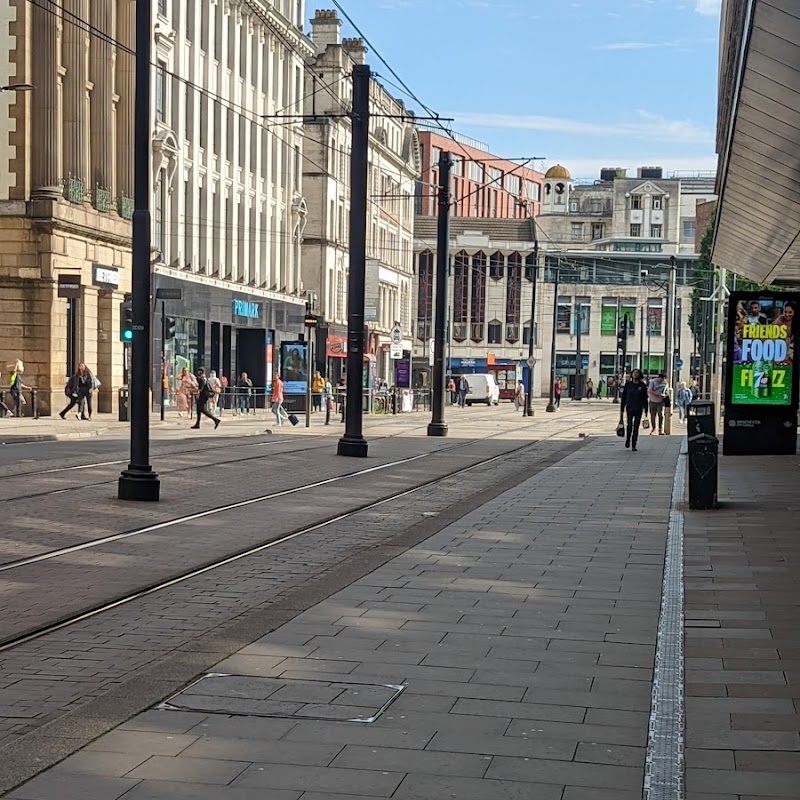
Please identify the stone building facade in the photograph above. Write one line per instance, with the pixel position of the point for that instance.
(227, 206)
(394, 166)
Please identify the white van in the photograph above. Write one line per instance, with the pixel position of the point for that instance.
(483, 388)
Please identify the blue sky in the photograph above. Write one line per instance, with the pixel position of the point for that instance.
(587, 83)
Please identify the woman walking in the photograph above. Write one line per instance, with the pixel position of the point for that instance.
(682, 399)
(634, 401)
(79, 389)
(187, 390)
(519, 396)
(205, 393)
(277, 399)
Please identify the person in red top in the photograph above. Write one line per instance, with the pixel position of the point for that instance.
(277, 399)
(557, 392)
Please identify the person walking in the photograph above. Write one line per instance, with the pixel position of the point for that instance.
(215, 388)
(682, 400)
(463, 388)
(656, 390)
(451, 388)
(557, 391)
(245, 390)
(634, 402)
(317, 390)
(519, 396)
(277, 399)
(187, 391)
(79, 389)
(600, 389)
(589, 389)
(205, 393)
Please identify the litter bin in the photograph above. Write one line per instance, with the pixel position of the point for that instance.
(703, 471)
(123, 404)
(700, 418)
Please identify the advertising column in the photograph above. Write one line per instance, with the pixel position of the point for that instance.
(761, 392)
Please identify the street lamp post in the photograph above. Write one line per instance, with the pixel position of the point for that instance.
(139, 481)
(551, 406)
(532, 336)
(437, 425)
(578, 393)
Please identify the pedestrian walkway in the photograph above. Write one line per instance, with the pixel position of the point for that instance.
(522, 637)
(508, 657)
(742, 635)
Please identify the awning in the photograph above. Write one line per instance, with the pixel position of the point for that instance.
(758, 216)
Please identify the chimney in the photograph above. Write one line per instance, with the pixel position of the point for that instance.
(325, 30)
(356, 49)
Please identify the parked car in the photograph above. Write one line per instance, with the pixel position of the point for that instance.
(483, 388)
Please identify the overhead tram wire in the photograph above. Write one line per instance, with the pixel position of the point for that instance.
(67, 16)
(247, 114)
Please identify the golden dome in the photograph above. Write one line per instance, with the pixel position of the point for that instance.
(559, 173)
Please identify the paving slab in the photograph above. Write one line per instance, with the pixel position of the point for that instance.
(742, 564)
(556, 723)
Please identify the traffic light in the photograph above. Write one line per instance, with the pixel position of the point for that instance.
(169, 328)
(622, 334)
(126, 321)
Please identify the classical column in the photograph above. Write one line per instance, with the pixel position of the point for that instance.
(46, 161)
(76, 101)
(125, 80)
(101, 74)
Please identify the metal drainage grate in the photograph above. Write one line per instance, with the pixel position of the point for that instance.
(251, 696)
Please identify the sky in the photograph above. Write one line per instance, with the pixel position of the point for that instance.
(584, 83)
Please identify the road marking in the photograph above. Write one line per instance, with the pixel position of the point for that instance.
(664, 766)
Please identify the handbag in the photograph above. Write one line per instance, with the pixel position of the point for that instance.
(621, 429)
(646, 424)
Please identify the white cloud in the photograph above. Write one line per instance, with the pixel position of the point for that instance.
(708, 8)
(649, 127)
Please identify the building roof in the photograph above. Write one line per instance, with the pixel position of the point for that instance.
(511, 230)
(558, 172)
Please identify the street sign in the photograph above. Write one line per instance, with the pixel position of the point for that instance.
(585, 361)
(396, 351)
(169, 294)
(678, 362)
(396, 335)
(311, 321)
(531, 361)
(431, 352)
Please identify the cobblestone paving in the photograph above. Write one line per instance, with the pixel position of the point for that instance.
(524, 633)
(41, 681)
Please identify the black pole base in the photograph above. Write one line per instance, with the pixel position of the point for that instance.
(438, 429)
(353, 447)
(139, 485)
(577, 399)
(528, 412)
(551, 409)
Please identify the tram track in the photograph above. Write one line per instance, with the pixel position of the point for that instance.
(91, 611)
(219, 456)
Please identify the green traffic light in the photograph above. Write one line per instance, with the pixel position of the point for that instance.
(127, 336)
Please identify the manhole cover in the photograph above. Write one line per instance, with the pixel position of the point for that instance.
(246, 695)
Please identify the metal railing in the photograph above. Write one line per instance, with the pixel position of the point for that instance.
(15, 404)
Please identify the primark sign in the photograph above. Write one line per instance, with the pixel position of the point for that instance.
(246, 309)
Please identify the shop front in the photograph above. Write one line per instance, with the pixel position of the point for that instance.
(218, 329)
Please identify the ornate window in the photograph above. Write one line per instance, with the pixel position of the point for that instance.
(425, 296)
(513, 297)
(478, 305)
(460, 296)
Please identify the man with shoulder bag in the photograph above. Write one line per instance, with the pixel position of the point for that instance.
(205, 391)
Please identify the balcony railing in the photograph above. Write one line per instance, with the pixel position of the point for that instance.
(103, 200)
(125, 207)
(74, 190)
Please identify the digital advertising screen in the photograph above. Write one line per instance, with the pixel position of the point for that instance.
(761, 349)
(293, 367)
